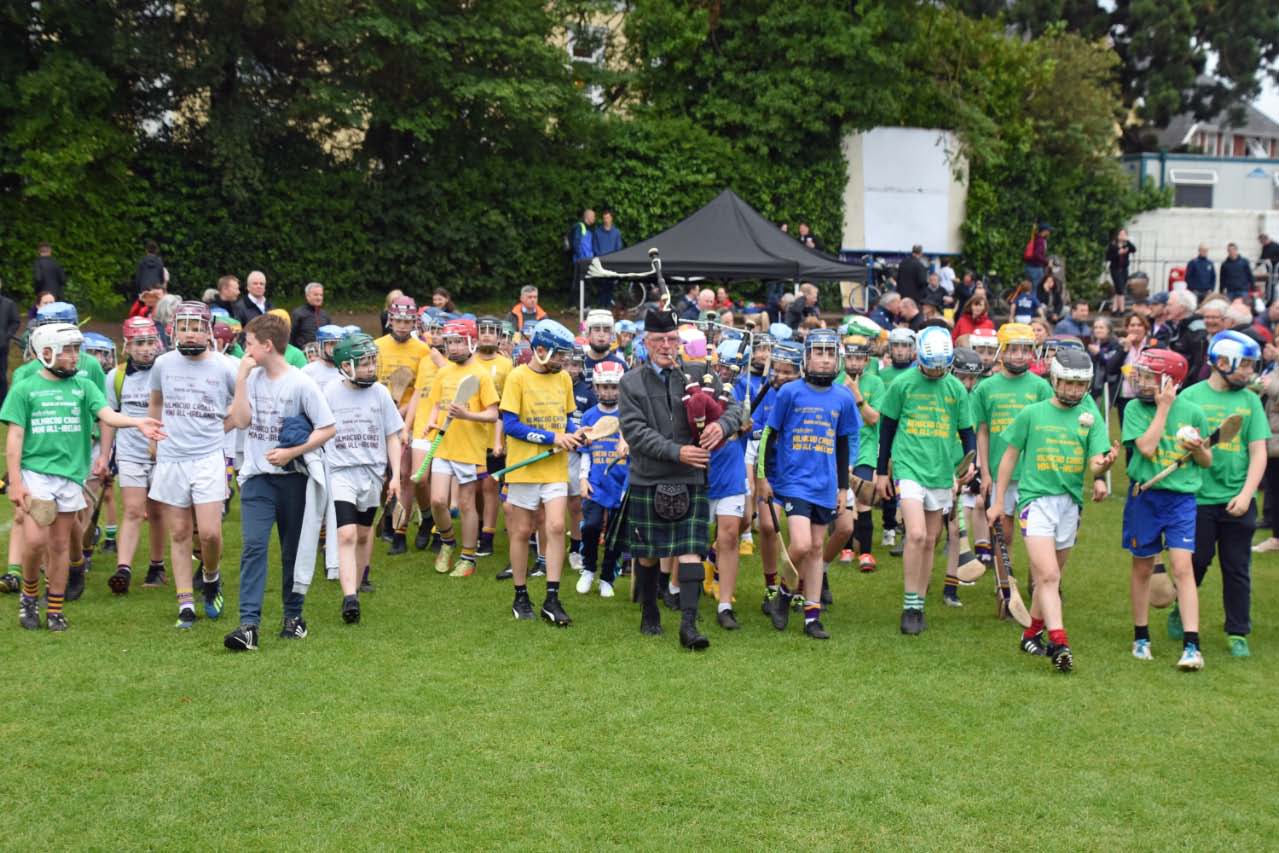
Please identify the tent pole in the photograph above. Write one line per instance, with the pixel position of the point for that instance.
(581, 299)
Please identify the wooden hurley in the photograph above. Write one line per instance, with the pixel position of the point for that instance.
(604, 427)
(968, 568)
(466, 389)
(1228, 430)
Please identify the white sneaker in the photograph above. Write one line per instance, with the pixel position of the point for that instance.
(606, 589)
(575, 562)
(1141, 650)
(584, 582)
(1192, 660)
(331, 574)
(889, 539)
(1265, 545)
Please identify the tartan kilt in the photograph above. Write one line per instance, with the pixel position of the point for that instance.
(647, 535)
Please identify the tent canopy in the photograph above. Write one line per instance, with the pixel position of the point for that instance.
(729, 241)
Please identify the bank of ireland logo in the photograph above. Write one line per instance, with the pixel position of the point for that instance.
(788, 506)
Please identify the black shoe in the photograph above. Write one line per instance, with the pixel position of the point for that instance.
(366, 585)
(727, 620)
(538, 570)
(689, 636)
(75, 585)
(485, 547)
(523, 608)
(651, 621)
(186, 619)
(398, 545)
(155, 577)
(827, 599)
(779, 610)
(386, 531)
(1034, 645)
(294, 628)
(671, 599)
(899, 547)
(109, 546)
(423, 538)
(1061, 658)
(56, 622)
(351, 610)
(10, 582)
(912, 622)
(29, 615)
(242, 639)
(505, 575)
(553, 612)
(437, 541)
(815, 630)
(211, 591)
(119, 582)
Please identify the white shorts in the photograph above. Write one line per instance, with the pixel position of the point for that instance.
(934, 500)
(752, 456)
(574, 475)
(463, 472)
(182, 483)
(1010, 500)
(134, 475)
(734, 505)
(968, 500)
(67, 494)
(356, 485)
(1055, 517)
(421, 444)
(531, 495)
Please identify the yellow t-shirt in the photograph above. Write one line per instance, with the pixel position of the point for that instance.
(498, 367)
(393, 356)
(465, 441)
(543, 401)
(426, 371)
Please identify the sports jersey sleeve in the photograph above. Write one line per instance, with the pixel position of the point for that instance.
(1015, 435)
(488, 392)
(391, 421)
(780, 411)
(313, 403)
(891, 406)
(95, 399)
(16, 409)
(513, 394)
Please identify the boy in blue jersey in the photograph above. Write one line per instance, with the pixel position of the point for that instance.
(787, 357)
(727, 490)
(602, 481)
(750, 385)
(805, 451)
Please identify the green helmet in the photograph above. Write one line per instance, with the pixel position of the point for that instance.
(350, 350)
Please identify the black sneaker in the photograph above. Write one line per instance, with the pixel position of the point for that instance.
(29, 614)
(423, 538)
(1034, 645)
(75, 585)
(827, 598)
(538, 570)
(522, 607)
(766, 606)
(912, 622)
(10, 582)
(351, 610)
(779, 610)
(899, 547)
(727, 620)
(485, 547)
(119, 582)
(213, 600)
(1061, 658)
(294, 628)
(56, 622)
(109, 546)
(671, 599)
(689, 636)
(155, 577)
(651, 621)
(505, 575)
(553, 612)
(437, 542)
(242, 639)
(950, 597)
(186, 619)
(815, 630)
(386, 531)
(366, 585)
(398, 545)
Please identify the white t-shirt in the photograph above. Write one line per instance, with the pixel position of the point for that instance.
(322, 372)
(946, 278)
(197, 395)
(134, 401)
(270, 403)
(233, 443)
(364, 418)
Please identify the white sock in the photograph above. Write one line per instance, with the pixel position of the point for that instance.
(747, 537)
(722, 606)
(672, 587)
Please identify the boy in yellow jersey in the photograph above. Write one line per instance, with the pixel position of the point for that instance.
(536, 404)
(416, 421)
(399, 356)
(498, 366)
(463, 447)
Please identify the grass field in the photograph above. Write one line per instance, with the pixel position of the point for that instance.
(440, 722)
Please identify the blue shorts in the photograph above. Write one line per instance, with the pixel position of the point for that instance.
(800, 508)
(866, 472)
(1157, 519)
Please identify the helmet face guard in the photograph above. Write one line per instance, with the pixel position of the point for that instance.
(356, 359)
(821, 356)
(54, 344)
(1071, 373)
(1240, 353)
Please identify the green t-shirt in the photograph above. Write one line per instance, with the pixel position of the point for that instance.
(872, 388)
(294, 356)
(58, 417)
(86, 366)
(929, 412)
(1229, 468)
(236, 351)
(1056, 444)
(872, 366)
(1137, 417)
(997, 400)
(889, 373)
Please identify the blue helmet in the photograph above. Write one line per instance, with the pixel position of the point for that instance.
(552, 337)
(329, 333)
(351, 330)
(789, 352)
(1234, 347)
(934, 348)
(730, 354)
(95, 342)
(779, 332)
(625, 327)
(822, 339)
(57, 312)
(219, 312)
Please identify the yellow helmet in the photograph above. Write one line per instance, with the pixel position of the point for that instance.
(1016, 333)
(283, 315)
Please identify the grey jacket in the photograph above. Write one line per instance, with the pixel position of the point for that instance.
(655, 425)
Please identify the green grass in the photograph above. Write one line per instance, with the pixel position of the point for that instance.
(441, 722)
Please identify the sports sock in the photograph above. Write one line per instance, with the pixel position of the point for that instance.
(1057, 636)
(123, 568)
(186, 600)
(447, 538)
(746, 537)
(770, 580)
(217, 576)
(468, 554)
(722, 606)
(670, 585)
(30, 589)
(454, 512)
(111, 529)
(540, 562)
(812, 611)
(55, 602)
(552, 588)
(1191, 639)
(574, 545)
(1036, 625)
(365, 579)
(157, 565)
(14, 569)
(913, 601)
(951, 586)
(1141, 632)
(521, 589)
(77, 564)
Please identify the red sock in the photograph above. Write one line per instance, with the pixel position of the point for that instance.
(770, 579)
(1036, 625)
(1057, 637)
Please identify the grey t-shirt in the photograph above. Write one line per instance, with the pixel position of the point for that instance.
(270, 403)
(322, 372)
(134, 401)
(364, 418)
(197, 395)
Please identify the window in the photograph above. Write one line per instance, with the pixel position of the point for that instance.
(1192, 195)
(586, 43)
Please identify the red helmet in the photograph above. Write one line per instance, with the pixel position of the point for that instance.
(401, 308)
(460, 328)
(1163, 362)
(139, 327)
(192, 308)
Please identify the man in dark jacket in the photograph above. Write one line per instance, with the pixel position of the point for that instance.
(9, 321)
(667, 509)
(150, 274)
(1236, 274)
(1201, 275)
(229, 296)
(1184, 333)
(48, 276)
(912, 275)
(606, 238)
(309, 317)
(805, 305)
(254, 302)
(1118, 255)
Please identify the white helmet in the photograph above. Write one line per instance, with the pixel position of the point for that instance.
(599, 317)
(901, 335)
(55, 337)
(936, 349)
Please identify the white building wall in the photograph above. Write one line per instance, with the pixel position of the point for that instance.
(1170, 237)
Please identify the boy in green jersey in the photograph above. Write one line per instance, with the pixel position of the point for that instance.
(1162, 428)
(1225, 515)
(867, 390)
(967, 368)
(51, 415)
(901, 360)
(1056, 436)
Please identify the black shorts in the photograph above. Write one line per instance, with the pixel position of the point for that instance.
(494, 463)
(806, 509)
(346, 513)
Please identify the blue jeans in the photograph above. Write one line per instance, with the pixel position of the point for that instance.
(266, 500)
(593, 524)
(1035, 273)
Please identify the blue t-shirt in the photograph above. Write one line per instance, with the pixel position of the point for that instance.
(585, 397)
(742, 393)
(805, 422)
(727, 475)
(589, 362)
(1025, 308)
(607, 483)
